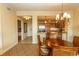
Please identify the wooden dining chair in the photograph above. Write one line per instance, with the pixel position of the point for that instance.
(64, 51)
(76, 41)
(43, 49)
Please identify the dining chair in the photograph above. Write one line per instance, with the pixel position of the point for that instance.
(76, 41)
(64, 51)
(43, 49)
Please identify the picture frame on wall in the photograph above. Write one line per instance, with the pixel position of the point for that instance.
(25, 27)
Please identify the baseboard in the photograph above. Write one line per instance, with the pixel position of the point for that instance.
(4, 50)
(34, 43)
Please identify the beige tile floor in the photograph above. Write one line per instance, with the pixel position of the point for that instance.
(28, 40)
(23, 48)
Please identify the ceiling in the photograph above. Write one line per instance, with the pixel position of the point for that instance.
(43, 6)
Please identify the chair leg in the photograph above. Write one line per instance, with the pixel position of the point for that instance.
(50, 52)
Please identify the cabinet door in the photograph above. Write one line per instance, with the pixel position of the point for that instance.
(60, 24)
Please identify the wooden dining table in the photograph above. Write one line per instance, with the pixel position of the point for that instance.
(53, 43)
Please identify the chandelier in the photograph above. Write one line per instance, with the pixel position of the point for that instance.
(63, 15)
(27, 17)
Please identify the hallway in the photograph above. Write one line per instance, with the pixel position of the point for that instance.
(27, 40)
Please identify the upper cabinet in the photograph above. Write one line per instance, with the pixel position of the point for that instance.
(52, 27)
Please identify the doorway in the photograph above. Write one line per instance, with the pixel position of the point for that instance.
(25, 29)
(19, 30)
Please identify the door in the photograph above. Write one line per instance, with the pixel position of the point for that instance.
(19, 30)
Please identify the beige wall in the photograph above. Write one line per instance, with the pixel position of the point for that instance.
(29, 28)
(9, 28)
(76, 23)
(0, 30)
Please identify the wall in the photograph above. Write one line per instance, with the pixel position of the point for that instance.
(9, 28)
(70, 29)
(29, 28)
(76, 23)
(37, 13)
(0, 29)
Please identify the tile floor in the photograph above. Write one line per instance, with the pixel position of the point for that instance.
(23, 48)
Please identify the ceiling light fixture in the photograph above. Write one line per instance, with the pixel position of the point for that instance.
(27, 17)
(63, 15)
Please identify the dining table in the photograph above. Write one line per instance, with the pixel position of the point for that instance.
(55, 43)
